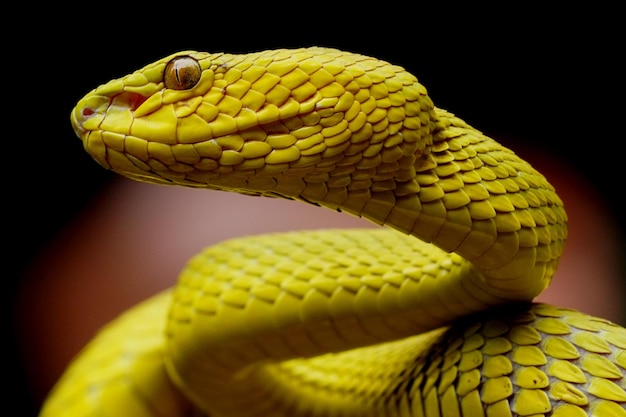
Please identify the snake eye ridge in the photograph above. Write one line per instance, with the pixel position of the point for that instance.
(182, 73)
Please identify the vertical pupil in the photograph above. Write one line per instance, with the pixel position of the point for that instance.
(180, 73)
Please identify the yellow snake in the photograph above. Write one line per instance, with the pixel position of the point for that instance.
(431, 319)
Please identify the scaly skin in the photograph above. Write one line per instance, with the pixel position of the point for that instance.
(345, 323)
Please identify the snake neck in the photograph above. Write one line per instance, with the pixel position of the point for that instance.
(457, 189)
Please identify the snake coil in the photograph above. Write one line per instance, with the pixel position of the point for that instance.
(431, 319)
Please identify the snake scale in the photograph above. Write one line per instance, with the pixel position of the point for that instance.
(431, 316)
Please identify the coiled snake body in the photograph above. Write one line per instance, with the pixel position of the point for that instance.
(431, 319)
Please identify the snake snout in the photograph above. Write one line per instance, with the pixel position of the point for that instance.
(88, 113)
(77, 123)
(93, 109)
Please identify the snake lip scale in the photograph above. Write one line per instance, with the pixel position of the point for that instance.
(429, 316)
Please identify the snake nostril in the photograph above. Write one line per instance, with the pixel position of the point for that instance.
(87, 112)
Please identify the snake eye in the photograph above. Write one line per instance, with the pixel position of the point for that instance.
(182, 73)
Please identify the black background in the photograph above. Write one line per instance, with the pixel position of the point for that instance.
(535, 80)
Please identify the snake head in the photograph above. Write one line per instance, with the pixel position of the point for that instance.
(129, 124)
(294, 123)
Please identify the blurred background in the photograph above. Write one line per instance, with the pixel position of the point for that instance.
(548, 86)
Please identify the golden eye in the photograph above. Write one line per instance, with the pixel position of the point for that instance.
(182, 73)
